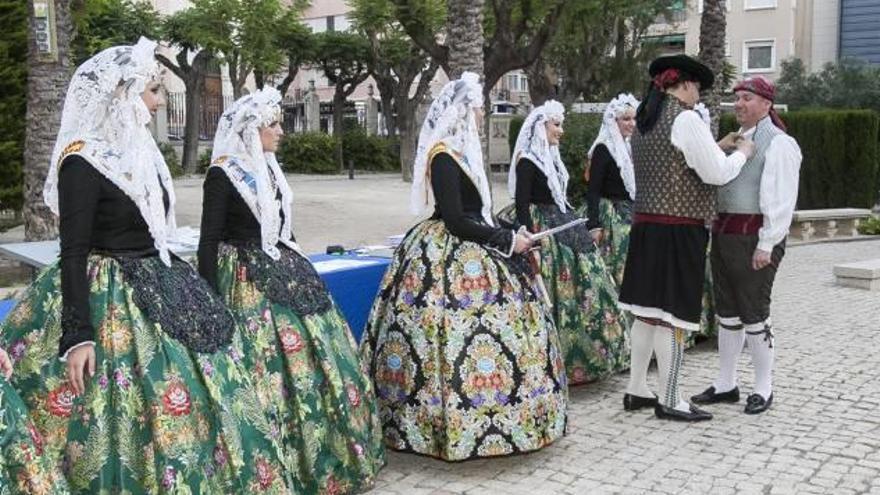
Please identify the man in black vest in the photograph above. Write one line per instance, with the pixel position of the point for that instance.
(748, 242)
(677, 166)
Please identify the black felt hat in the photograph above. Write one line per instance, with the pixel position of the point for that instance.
(685, 64)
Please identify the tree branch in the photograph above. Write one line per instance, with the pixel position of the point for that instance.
(171, 66)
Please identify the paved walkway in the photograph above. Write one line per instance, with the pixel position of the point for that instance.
(822, 434)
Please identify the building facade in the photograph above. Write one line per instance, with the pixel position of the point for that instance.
(762, 33)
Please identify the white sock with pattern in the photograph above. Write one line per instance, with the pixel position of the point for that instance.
(669, 348)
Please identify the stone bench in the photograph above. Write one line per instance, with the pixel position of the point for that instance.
(861, 274)
(829, 223)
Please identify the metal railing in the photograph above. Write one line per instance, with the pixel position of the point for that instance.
(211, 109)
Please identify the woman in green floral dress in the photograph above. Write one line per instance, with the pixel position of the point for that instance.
(23, 467)
(460, 343)
(149, 394)
(591, 329)
(612, 189)
(298, 348)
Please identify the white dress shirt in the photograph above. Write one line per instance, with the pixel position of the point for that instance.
(694, 138)
(779, 188)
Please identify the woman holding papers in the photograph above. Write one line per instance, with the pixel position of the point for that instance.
(297, 346)
(591, 328)
(147, 395)
(460, 343)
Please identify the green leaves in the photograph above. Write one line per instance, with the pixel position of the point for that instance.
(101, 24)
(342, 56)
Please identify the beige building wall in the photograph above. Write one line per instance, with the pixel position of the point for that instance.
(824, 41)
(760, 34)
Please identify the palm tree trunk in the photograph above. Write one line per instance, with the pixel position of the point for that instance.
(48, 77)
(713, 26)
(465, 34)
(464, 25)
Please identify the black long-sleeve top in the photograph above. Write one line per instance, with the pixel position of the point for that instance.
(225, 218)
(459, 205)
(95, 216)
(605, 182)
(531, 187)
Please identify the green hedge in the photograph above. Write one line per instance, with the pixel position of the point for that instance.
(581, 130)
(171, 159)
(314, 152)
(516, 124)
(204, 161)
(308, 153)
(841, 156)
(372, 153)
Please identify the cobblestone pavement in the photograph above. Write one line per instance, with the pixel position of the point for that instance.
(822, 434)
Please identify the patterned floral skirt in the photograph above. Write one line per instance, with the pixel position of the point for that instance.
(463, 351)
(593, 332)
(156, 417)
(615, 217)
(304, 365)
(23, 467)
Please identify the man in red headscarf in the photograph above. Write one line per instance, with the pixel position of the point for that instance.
(748, 242)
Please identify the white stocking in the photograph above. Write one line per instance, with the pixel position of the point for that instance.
(730, 344)
(760, 339)
(642, 339)
(669, 347)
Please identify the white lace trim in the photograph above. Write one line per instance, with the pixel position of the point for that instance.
(255, 174)
(532, 144)
(450, 121)
(104, 120)
(610, 136)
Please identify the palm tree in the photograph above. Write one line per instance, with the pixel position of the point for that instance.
(713, 26)
(49, 70)
(464, 31)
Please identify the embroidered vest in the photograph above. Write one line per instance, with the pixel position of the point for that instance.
(665, 183)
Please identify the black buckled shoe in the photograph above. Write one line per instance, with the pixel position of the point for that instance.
(635, 402)
(695, 414)
(710, 397)
(756, 404)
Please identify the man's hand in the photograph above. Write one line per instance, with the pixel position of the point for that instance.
(746, 147)
(79, 362)
(728, 142)
(760, 259)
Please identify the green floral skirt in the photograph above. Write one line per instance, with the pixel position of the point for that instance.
(463, 351)
(615, 217)
(156, 417)
(23, 466)
(304, 366)
(593, 332)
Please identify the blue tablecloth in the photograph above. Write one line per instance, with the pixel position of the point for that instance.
(6, 306)
(353, 288)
